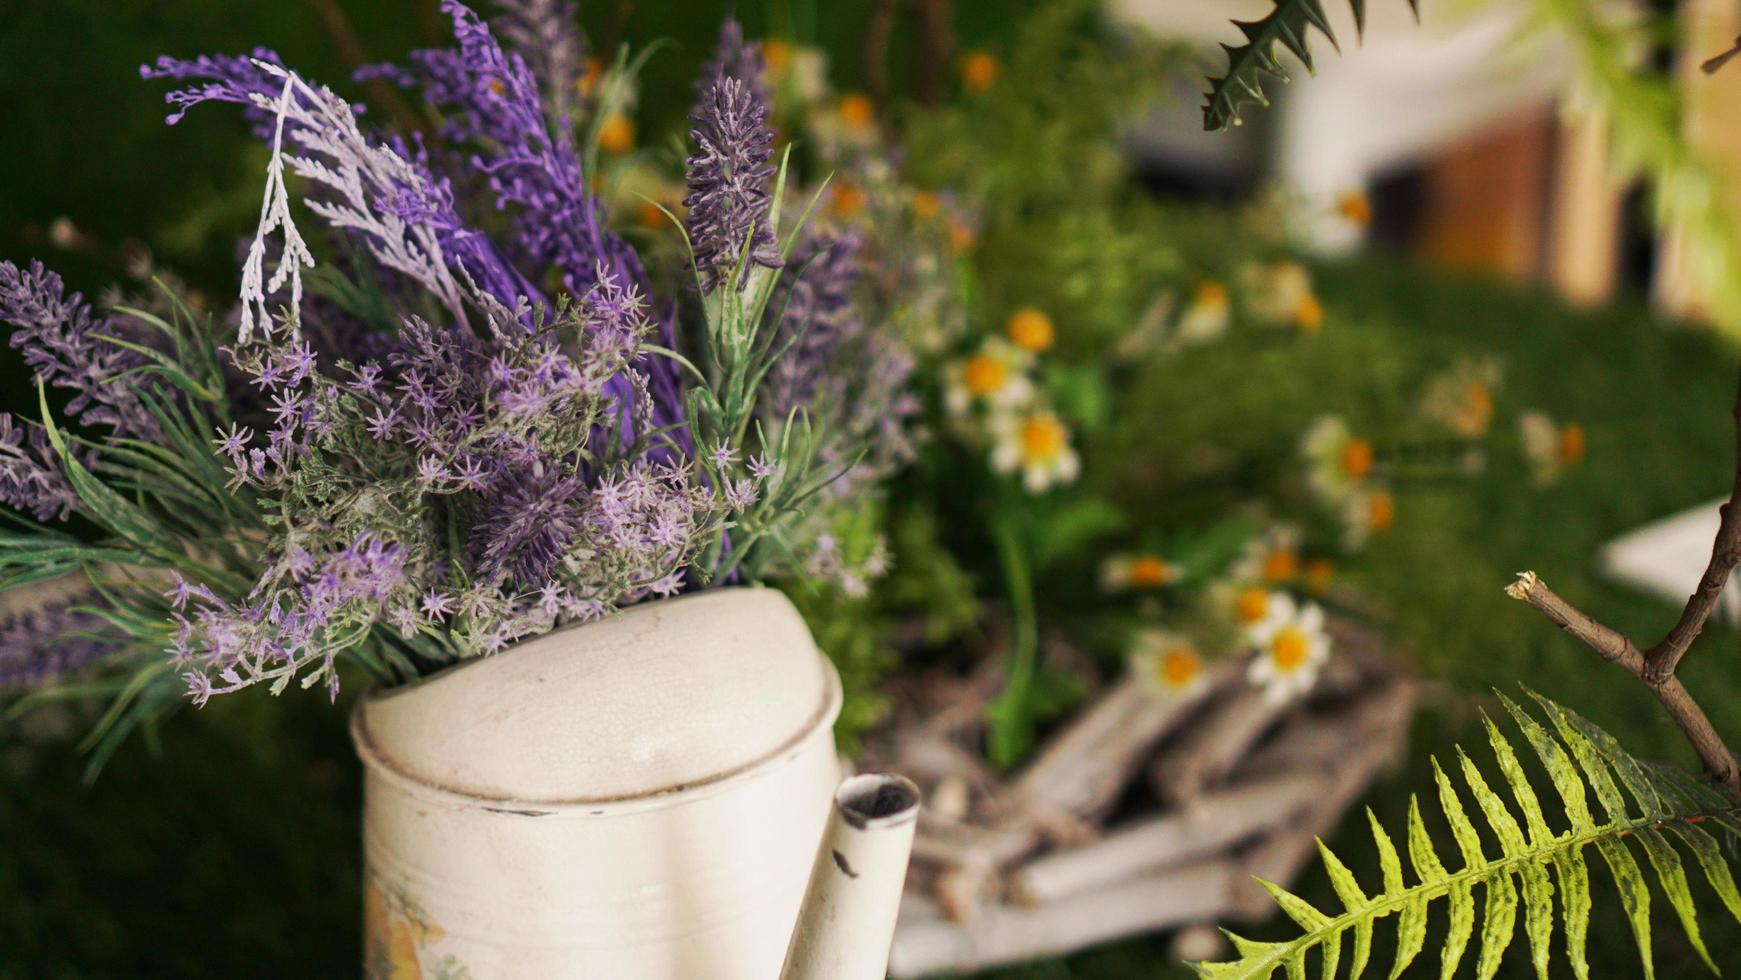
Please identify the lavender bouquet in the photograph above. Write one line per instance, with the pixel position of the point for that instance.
(477, 416)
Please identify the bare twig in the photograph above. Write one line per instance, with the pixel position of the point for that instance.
(1656, 666)
(1710, 66)
(1616, 648)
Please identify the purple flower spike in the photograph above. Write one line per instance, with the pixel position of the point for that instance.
(734, 58)
(728, 176)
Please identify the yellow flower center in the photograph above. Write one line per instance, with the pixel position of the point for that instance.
(1252, 604)
(1380, 511)
(1289, 649)
(1030, 329)
(1354, 206)
(1148, 572)
(1571, 443)
(1357, 458)
(616, 134)
(926, 205)
(1178, 667)
(979, 71)
(1042, 438)
(857, 110)
(496, 86)
(777, 55)
(1281, 565)
(1210, 293)
(984, 375)
(1319, 572)
(1309, 314)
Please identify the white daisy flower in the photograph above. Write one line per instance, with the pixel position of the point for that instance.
(995, 377)
(1337, 461)
(1291, 647)
(1207, 316)
(1137, 573)
(1280, 293)
(1037, 445)
(1549, 448)
(1167, 664)
(1273, 556)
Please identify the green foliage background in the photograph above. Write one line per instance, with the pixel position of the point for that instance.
(233, 851)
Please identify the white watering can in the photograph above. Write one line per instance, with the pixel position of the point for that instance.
(655, 795)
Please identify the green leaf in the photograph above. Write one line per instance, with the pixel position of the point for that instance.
(1579, 759)
(1288, 24)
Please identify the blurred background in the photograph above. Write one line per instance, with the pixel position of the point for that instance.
(1503, 181)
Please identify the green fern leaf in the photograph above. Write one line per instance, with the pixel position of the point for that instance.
(1288, 24)
(1541, 852)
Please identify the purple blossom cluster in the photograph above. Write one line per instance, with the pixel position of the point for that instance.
(289, 623)
(49, 642)
(546, 33)
(63, 346)
(728, 175)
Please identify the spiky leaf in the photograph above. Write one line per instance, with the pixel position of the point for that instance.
(1580, 760)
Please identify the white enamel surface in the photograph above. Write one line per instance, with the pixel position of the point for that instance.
(703, 732)
(665, 695)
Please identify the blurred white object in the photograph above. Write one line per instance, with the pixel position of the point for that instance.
(1402, 93)
(1666, 558)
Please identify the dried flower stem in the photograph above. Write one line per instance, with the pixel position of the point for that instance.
(1656, 666)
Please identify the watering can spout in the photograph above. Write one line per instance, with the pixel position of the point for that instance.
(847, 921)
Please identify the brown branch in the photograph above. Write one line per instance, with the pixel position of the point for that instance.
(1661, 660)
(1616, 648)
(1710, 66)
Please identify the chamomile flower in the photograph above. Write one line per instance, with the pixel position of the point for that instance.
(1281, 293)
(1338, 462)
(994, 377)
(1272, 557)
(1207, 315)
(1167, 664)
(1461, 399)
(1366, 512)
(1290, 647)
(1548, 447)
(1035, 444)
(1137, 573)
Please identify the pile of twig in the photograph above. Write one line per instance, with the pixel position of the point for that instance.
(1140, 814)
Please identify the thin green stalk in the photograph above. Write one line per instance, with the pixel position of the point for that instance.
(1009, 717)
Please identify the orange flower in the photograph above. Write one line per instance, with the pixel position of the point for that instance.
(1281, 565)
(1150, 572)
(857, 110)
(848, 201)
(616, 134)
(1319, 572)
(960, 235)
(979, 70)
(1380, 510)
(984, 375)
(777, 55)
(1252, 604)
(589, 77)
(1357, 458)
(926, 205)
(1571, 443)
(1354, 206)
(1030, 329)
(1309, 314)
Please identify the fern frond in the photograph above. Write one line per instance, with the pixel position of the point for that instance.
(1288, 25)
(1638, 806)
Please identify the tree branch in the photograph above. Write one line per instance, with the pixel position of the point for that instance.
(1661, 660)
(1616, 648)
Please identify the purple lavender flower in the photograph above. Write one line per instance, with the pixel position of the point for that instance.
(817, 321)
(546, 33)
(219, 78)
(31, 477)
(728, 174)
(48, 643)
(62, 343)
(526, 526)
(734, 58)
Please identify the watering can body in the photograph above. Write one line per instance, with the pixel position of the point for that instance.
(639, 797)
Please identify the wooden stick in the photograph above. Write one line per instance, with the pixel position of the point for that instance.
(1210, 825)
(927, 943)
(1082, 770)
(1209, 752)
